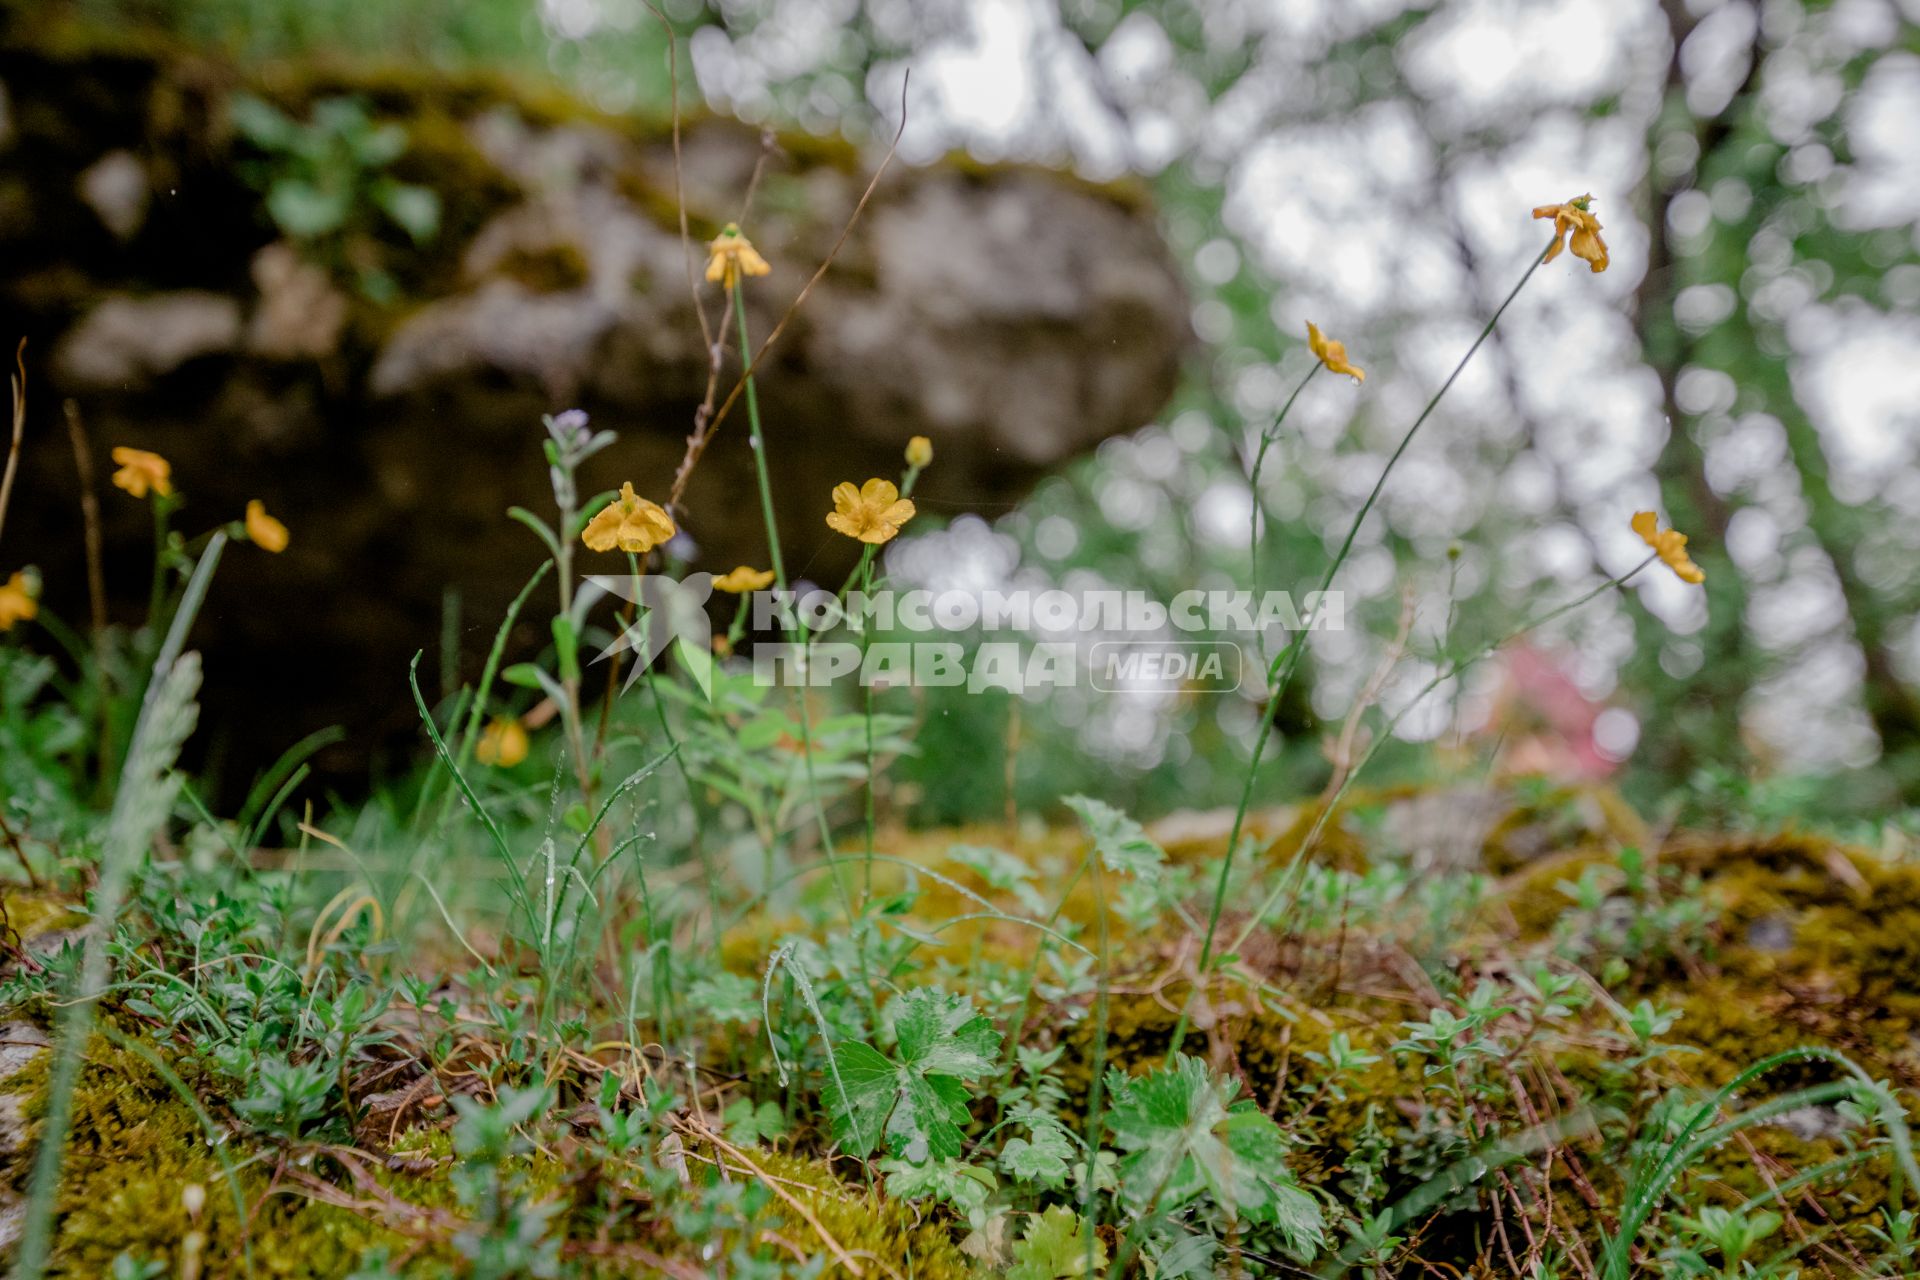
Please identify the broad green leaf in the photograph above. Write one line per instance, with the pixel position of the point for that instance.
(415, 208)
(1042, 1158)
(1184, 1137)
(915, 1103)
(1123, 845)
(1001, 870)
(1056, 1248)
(305, 211)
(941, 1034)
(861, 1091)
(963, 1186)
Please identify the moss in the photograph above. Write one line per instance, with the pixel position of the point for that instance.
(1325, 1112)
(1813, 943)
(554, 269)
(1761, 1159)
(1338, 844)
(865, 1225)
(134, 1146)
(1542, 822)
(1532, 901)
(1129, 193)
(29, 915)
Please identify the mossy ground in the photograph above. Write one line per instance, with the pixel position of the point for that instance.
(1801, 940)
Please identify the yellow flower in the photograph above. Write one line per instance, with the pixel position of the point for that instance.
(1333, 354)
(742, 580)
(18, 602)
(732, 255)
(141, 471)
(630, 523)
(263, 530)
(1669, 544)
(872, 513)
(503, 742)
(919, 451)
(1575, 228)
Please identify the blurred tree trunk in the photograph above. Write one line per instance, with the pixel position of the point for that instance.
(1705, 705)
(1735, 144)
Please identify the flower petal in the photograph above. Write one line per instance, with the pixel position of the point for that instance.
(603, 531)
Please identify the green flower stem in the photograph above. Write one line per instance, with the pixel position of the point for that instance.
(158, 596)
(759, 444)
(758, 441)
(866, 637)
(1267, 438)
(1288, 659)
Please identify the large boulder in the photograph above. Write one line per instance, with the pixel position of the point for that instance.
(383, 395)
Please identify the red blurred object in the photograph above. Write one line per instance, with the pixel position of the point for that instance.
(1546, 721)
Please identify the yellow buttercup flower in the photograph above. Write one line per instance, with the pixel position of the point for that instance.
(1333, 354)
(630, 523)
(263, 530)
(1575, 228)
(872, 513)
(1669, 544)
(743, 579)
(919, 451)
(503, 743)
(730, 256)
(19, 600)
(142, 472)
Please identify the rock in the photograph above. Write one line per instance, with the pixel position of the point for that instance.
(1772, 934)
(116, 187)
(300, 314)
(1012, 315)
(126, 342)
(1812, 1124)
(21, 1044)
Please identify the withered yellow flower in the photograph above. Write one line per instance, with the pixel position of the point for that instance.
(743, 579)
(1575, 228)
(630, 523)
(872, 513)
(919, 451)
(502, 743)
(1669, 544)
(730, 256)
(18, 600)
(142, 472)
(263, 530)
(1333, 354)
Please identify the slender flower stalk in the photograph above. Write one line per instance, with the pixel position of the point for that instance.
(758, 442)
(1280, 671)
(1267, 438)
